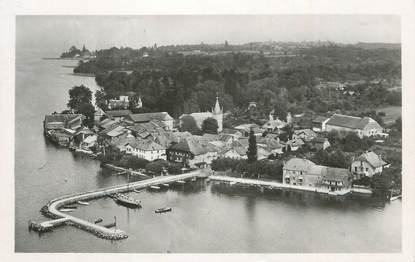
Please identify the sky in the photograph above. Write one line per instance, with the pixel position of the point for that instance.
(55, 34)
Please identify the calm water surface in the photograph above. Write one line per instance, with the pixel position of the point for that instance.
(205, 217)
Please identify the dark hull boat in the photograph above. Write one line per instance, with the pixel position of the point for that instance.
(163, 210)
(126, 201)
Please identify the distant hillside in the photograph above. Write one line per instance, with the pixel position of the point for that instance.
(378, 45)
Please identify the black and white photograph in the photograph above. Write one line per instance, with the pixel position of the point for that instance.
(209, 133)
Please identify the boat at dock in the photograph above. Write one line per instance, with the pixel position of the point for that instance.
(163, 210)
(181, 182)
(233, 183)
(66, 209)
(126, 201)
(110, 225)
(155, 187)
(70, 207)
(395, 197)
(83, 203)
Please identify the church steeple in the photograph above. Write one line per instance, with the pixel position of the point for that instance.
(139, 103)
(217, 109)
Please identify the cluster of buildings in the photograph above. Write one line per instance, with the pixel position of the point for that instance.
(153, 136)
(301, 172)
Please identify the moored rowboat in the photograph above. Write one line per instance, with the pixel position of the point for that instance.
(163, 210)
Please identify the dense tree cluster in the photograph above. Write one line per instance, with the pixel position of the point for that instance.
(258, 169)
(80, 102)
(177, 83)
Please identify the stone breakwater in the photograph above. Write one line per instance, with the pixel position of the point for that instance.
(51, 210)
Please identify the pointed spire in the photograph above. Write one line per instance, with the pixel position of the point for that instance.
(217, 109)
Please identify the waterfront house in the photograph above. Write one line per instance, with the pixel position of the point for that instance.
(163, 117)
(58, 121)
(89, 142)
(365, 126)
(300, 173)
(117, 115)
(367, 164)
(146, 149)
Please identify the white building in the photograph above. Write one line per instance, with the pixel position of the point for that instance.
(216, 113)
(365, 126)
(148, 150)
(367, 164)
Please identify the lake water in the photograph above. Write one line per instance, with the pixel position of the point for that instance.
(205, 217)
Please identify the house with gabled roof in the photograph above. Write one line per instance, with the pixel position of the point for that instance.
(192, 152)
(362, 126)
(367, 164)
(163, 117)
(145, 149)
(117, 115)
(303, 173)
(305, 134)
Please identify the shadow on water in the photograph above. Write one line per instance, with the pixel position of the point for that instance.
(298, 198)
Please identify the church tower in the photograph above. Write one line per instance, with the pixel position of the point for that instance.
(139, 103)
(218, 114)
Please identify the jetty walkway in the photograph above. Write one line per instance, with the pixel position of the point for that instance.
(51, 210)
(273, 184)
(122, 171)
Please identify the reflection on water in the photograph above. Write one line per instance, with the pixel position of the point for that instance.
(206, 217)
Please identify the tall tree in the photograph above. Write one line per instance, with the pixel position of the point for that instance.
(252, 152)
(210, 126)
(188, 123)
(80, 102)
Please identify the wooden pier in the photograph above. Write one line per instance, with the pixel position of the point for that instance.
(51, 210)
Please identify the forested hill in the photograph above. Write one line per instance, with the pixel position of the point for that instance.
(181, 79)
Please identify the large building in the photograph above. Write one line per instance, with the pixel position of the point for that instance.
(304, 173)
(216, 113)
(365, 126)
(163, 117)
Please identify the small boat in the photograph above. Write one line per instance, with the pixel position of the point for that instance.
(137, 191)
(98, 220)
(233, 183)
(70, 207)
(66, 209)
(155, 187)
(83, 203)
(181, 181)
(395, 197)
(43, 165)
(113, 224)
(126, 201)
(165, 185)
(163, 210)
